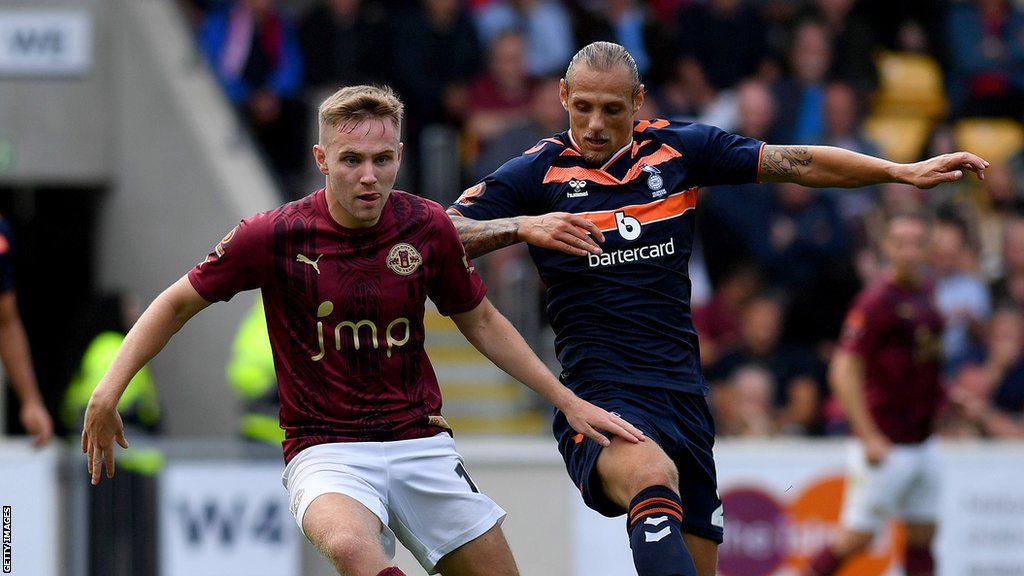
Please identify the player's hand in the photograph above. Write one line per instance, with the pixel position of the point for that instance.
(945, 168)
(102, 427)
(37, 422)
(876, 448)
(561, 231)
(589, 420)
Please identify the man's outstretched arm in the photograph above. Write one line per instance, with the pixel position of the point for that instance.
(161, 320)
(556, 231)
(828, 166)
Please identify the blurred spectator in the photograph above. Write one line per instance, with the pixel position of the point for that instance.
(843, 129)
(254, 52)
(1008, 289)
(970, 394)
(501, 97)
(743, 404)
(98, 335)
(853, 43)
(986, 58)
(731, 218)
(796, 375)
(250, 373)
(14, 348)
(727, 38)
(547, 118)
(995, 209)
(687, 96)
(992, 398)
(801, 96)
(718, 322)
(343, 43)
(960, 294)
(910, 25)
(435, 55)
(631, 24)
(544, 23)
(807, 254)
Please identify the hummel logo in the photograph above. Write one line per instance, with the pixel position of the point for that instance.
(577, 189)
(314, 263)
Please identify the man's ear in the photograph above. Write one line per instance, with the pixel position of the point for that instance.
(321, 159)
(638, 99)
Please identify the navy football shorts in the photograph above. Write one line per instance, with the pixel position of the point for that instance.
(679, 422)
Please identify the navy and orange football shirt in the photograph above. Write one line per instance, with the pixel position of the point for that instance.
(622, 316)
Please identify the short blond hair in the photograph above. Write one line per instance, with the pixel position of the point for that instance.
(358, 103)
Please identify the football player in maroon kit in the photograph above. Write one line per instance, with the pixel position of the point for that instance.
(344, 275)
(885, 376)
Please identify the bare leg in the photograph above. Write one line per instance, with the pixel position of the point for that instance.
(485, 555)
(627, 469)
(347, 534)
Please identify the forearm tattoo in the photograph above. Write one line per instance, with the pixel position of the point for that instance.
(785, 161)
(482, 236)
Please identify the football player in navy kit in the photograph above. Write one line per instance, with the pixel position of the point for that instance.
(606, 208)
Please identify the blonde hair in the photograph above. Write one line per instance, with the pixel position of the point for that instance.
(358, 103)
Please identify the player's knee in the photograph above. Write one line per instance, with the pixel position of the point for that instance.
(658, 474)
(345, 549)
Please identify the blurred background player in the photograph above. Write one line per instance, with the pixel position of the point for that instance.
(369, 457)
(621, 311)
(14, 349)
(886, 377)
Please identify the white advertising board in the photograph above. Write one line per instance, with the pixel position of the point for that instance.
(782, 503)
(226, 519)
(28, 497)
(45, 42)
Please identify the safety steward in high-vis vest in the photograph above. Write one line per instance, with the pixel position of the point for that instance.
(138, 406)
(250, 372)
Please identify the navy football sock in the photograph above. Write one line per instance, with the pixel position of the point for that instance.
(654, 522)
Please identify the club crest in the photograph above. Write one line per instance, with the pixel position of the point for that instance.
(403, 259)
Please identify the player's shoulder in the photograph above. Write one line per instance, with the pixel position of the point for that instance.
(412, 211)
(875, 294)
(673, 131)
(536, 159)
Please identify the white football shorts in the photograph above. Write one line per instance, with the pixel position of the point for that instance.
(418, 488)
(905, 485)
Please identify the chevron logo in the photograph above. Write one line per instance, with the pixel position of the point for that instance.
(656, 536)
(656, 521)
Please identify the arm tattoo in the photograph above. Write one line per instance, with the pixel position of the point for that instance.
(784, 162)
(482, 236)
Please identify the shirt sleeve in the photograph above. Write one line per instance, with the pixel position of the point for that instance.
(862, 326)
(720, 157)
(6, 258)
(455, 286)
(503, 194)
(237, 263)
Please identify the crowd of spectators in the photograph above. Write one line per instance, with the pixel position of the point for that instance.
(780, 263)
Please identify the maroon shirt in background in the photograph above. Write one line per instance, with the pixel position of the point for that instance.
(345, 313)
(897, 332)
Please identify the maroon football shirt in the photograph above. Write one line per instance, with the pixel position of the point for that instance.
(345, 312)
(897, 332)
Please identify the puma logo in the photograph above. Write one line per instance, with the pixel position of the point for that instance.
(314, 263)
